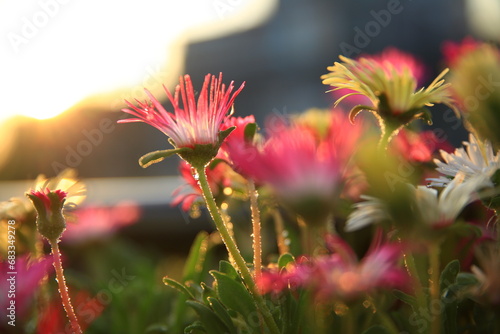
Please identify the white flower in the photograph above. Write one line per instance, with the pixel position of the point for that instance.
(433, 208)
(442, 209)
(372, 210)
(474, 159)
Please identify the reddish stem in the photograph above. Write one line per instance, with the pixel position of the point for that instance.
(63, 289)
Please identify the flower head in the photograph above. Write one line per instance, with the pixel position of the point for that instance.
(474, 159)
(401, 61)
(475, 77)
(29, 278)
(21, 208)
(340, 275)
(418, 147)
(453, 52)
(49, 207)
(430, 208)
(488, 275)
(306, 171)
(391, 88)
(239, 148)
(194, 124)
(94, 222)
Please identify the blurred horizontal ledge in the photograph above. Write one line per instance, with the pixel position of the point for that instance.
(144, 191)
(159, 221)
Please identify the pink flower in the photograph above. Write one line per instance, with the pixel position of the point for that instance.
(340, 275)
(240, 151)
(389, 59)
(418, 147)
(193, 122)
(306, 172)
(48, 198)
(453, 51)
(98, 222)
(28, 278)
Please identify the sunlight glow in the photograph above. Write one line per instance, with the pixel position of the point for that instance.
(58, 53)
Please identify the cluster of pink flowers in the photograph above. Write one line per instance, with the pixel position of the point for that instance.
(340, 275)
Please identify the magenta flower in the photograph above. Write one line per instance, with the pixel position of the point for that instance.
(28, 278)
(193, 123)
(340, 275)
(49, 206)
(453, 51)
(305, 171)
(418, 147)
(94, 222)
(240, 150)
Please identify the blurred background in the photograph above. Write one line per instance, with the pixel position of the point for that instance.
(67, 66)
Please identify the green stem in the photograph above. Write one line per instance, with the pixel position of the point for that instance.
(233, 250)
(279, 228)
(63, 289)
(256, 227)
(435, 272)
(411, 267)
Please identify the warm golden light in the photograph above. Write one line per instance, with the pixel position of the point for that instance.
(58, 53)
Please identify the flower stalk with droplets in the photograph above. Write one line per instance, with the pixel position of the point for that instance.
(196, 131)
(51, 224)
(391, 91)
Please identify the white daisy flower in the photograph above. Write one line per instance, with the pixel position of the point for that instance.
(370, 211)
(433, 208)
(442, 209)
(474, 159)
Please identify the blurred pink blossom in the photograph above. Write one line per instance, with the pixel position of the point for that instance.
(27, 278)
(94, 222)
(340, 275)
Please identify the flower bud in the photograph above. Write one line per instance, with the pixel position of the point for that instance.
(50, 220)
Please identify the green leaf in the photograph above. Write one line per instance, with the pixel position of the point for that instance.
(156, 329)
(195, 327)
(249, 133)
(465, 229)
(224, 133)
(422, 113)
(196, 258)
(178, 286)
(215, 162)
(211, 322)
(449, 274)
(449, 297)
(377, 329)
(285, 259)
(154, 157)
(233, 294)
(410, 300)
(356, 110)
(228, 269)
(222, 313)
(466, 279)
(207, 292)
